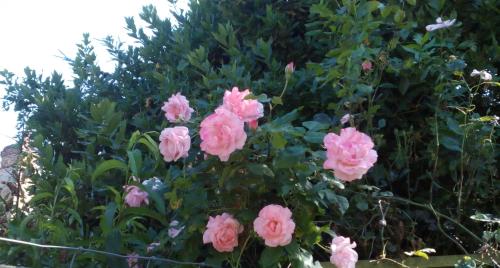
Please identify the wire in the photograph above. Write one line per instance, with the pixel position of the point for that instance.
(9, 240)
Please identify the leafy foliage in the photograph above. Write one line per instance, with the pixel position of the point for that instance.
(434, 128)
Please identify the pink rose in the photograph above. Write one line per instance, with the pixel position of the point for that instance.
(343, 254)
(174, 143)
(135, 196)
(246, 110)
(345, 119)
(366, 65)
(177, 108)
(222, 133)
(222, 231)
(133, 261)
(275, 225)
(350, 155)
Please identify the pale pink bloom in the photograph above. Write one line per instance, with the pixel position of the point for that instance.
(174, 143)
(254, 124)
(246, 110)
(367, 65)
(343, 254)
(174, 229)
(290, 68)
(275, 225)
(350, 155)
(133, 261)
(222, 133)
(177, 108)
(484, 75)
(135, 197)
(151, 247)
(345, 119)
(222, 231)
(440, 24)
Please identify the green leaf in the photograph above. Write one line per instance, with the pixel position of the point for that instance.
(315, 125)
(450, 143)
(260, 169)
(304, 259)
(108, 165)
(41, 196)
(278, 140)
(108, 217)
(411, 2)
(146, 212)
(338, 201)
(135, 161)
(271, 256)
(277, 101)
(314, 137)
(454, 126)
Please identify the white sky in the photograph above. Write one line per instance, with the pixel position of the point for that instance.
(32, 32)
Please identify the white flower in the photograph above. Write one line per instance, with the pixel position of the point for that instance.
(484, 75)
(345, 118)
(440, 24)
(173, 231)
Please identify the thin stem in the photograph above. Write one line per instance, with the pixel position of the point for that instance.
(242, 249)
(436, 213)
(284, 88)
(73, 260)
(444, 233)
(99, 252)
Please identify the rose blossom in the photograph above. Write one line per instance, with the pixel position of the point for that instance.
(343, 254)
(275, 225)
(132, 260)
(345, 119)
(222, 133)
(482, 74)
(246, 110)
(440, 24)
(174, 143)
(366, 65)
(135, 196)
(350, 155)
(177, 108)
(222, 231)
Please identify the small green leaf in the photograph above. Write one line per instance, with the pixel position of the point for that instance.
(260, 169)
(277, 101)
(271, 256)
(278, 140)
(450, 143)
(108, 165)
(314, 137)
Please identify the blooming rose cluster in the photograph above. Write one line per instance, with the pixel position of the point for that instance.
(274, 224)
(223, 132)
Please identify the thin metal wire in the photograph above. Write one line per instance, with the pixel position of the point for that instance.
(9, 240)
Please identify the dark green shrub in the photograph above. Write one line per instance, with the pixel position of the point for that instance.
(434, 128)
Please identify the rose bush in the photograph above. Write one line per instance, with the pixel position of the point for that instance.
(269, 176)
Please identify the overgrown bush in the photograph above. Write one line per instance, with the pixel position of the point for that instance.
(434, 126)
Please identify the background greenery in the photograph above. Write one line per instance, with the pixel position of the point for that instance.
(433, 126)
